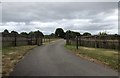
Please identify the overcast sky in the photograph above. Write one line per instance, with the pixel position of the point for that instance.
(93, 17)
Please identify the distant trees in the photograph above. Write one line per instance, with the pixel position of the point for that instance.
(52, 35)
(24, 33)
(5, 32)
(30, 34)
(38, 34)
(59, 33)
(102, 33)
(72, 34)
(86, 34)
(14, 33)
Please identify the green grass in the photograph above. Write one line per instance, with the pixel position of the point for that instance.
(106, 56)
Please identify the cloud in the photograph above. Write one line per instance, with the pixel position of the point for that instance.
(47, 16)
(60, 0)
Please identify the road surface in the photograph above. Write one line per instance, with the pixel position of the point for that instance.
(54, 60)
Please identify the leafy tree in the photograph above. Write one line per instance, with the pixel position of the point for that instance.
(24, 33)
(14, 33)
(5, 32)
(68, 34)
(77, 33)
(46, 36)
(72, 34)
(38, 34)
(59, 33)
(31, 34)
(102, 33)
(52, 35)
(86, 34)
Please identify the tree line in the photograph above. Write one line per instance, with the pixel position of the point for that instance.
(59, 33)
(72, 34)
(25, 34)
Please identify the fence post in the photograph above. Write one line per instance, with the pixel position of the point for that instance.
(15, 39)
(49, 39)
(68, 39)
(41, 40)
(95, 41)
(77, 42)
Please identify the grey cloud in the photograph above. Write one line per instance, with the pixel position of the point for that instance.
(60, 0)
(0, 12)
(60, 14)
(48, 11)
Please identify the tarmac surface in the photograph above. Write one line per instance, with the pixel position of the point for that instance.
(55, 60)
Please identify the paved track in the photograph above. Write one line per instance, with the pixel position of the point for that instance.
(54, 60)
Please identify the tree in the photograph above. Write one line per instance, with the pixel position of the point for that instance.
(38, 34)
(77, 33)
(31, 34)
(59, 33)
(14, 33)
(24, 33)
(68, 34)
(72, 34)
(86, 34)
(102, 33)
(5, 32)
(52, 35)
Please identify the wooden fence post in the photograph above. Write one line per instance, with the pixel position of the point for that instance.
(49, 39)
(41, 40)
(77, 42)
(15, 39)
(95, 41)
(67, 39)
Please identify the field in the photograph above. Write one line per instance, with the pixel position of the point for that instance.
(104, 56)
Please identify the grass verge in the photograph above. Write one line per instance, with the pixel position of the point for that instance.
(104, 56)
(12, 55)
